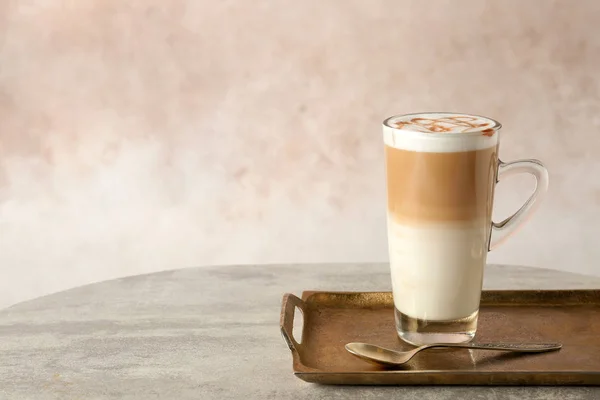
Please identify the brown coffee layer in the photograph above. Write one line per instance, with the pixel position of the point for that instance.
(440, 187)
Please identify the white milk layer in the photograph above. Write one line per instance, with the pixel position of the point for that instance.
(437, 270)
(436, 142)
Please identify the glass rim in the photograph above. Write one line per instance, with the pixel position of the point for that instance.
(496, 125)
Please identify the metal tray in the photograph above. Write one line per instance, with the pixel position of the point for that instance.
(332, 319)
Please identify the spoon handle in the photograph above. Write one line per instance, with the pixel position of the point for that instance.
(518, 347)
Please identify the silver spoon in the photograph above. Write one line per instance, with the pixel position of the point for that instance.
(381, 355)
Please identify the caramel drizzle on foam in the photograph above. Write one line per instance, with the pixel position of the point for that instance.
(446, 124)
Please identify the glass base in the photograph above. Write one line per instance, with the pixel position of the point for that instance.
(421, 331)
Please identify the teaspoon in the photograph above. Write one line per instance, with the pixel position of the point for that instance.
(381, 355)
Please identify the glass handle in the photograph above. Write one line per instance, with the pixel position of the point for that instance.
(504, 229)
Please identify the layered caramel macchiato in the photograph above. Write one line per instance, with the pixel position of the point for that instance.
(441, 173)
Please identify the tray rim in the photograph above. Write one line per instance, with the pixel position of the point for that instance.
(503, 297)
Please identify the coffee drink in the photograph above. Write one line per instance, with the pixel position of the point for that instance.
(441, 173)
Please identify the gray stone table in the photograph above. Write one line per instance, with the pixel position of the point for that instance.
(207, 333)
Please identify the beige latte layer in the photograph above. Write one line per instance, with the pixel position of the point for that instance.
(426, 187)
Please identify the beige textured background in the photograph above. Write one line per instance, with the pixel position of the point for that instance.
(138, 136)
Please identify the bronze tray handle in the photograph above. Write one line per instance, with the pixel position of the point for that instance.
(286, 323)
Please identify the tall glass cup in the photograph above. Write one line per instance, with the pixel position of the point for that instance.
(442, 169)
